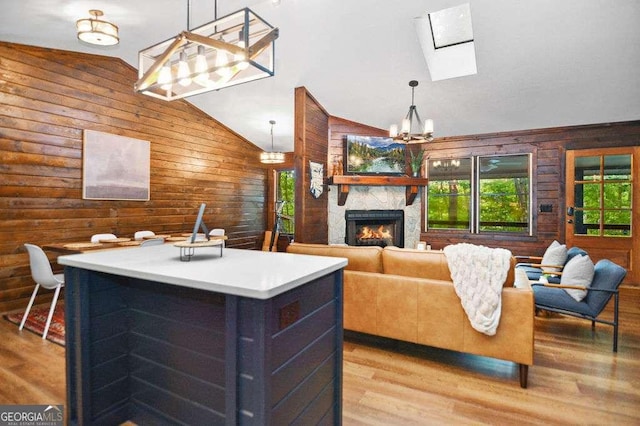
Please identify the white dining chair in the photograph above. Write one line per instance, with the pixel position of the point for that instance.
(152, 242)
(217, 232)
(140, 235)
(95, 238)
(43, 275)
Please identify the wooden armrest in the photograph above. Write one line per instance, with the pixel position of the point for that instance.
(528, 257)
(577, 287)
(570, 286)
(558, 273)
(541, 265)
(550, 266)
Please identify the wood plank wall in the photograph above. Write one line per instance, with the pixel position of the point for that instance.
(338, 129)
(311, 136)
(47, 98)
(548, 147)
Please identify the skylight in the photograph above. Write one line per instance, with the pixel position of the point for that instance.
(451, 26)
(446, 38)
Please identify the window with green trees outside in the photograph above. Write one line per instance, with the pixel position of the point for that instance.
(602, 196)
(449, 194)
(285, 193)
(480, 194)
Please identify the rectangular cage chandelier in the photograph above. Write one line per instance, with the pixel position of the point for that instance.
(232, 50)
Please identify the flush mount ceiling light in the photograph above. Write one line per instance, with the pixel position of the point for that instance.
(406, 133)
(234, 49)
(272, 157)
(97, 31)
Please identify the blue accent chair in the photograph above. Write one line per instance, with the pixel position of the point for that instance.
(606, 280)
(534, 270)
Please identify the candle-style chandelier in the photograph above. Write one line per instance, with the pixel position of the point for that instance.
(406, 133)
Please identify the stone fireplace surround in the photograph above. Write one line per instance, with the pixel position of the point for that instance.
(373, 198)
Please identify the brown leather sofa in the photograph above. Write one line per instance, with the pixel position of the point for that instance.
(408, 295)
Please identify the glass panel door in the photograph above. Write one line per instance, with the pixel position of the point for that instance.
(601, 197)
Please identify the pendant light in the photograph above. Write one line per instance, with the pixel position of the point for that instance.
(227, 51)
(272, 157)
(406, 132)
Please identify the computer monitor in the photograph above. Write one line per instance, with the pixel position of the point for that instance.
(199, 225)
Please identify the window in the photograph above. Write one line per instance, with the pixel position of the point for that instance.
(449, 194)
(602, 196)
(285, 201)
(480, 194)
(503, 194)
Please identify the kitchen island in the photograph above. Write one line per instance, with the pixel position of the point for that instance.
(248, 338)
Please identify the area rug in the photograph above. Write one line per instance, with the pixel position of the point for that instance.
(38, 319)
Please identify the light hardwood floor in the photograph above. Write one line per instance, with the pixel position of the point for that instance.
(576, 378)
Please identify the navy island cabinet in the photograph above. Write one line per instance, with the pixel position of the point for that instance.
(152, 340)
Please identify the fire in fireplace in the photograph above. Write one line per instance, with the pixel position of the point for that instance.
(375, 228)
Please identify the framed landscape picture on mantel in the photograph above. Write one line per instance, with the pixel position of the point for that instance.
(373, 155)
(115, 167)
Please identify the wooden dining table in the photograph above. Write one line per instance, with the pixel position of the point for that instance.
(84, 246)
(118, 243)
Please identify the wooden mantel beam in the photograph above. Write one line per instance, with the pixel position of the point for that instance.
(344, 182)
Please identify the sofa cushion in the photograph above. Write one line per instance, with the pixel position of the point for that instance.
(415, 263)
(424, 264)
(365, 259)
(578, 271)
(522, 280)
(360, 301)
(556, 254)
(574, 251)
(606, 276)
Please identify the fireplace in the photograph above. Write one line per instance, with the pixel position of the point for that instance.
(375, 228)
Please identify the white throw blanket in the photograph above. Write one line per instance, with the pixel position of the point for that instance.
(478, 274)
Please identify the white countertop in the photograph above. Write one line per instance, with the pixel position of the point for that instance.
(249, 273)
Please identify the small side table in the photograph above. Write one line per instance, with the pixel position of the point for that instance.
(187, 248)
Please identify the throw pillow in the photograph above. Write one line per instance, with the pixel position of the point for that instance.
(522, 281)
(556, 254)
(578, 271)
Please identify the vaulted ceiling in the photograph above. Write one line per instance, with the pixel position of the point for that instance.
(541, 63)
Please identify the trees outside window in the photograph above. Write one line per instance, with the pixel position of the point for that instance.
(480, 194)
(503, 194)
(285, 200)
(602, 195)
(449, 194)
